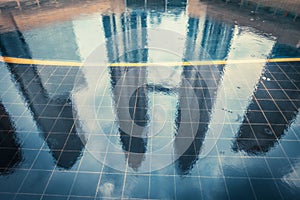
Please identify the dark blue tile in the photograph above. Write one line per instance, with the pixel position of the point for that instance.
(162, 187)
(188, 188)
(60, 183)
(12, 182)
(257, 167)
(7, 196)
(214, 188)
(239, 188)
(288, 187)
(234, 167)
(44, 161)
(280, 166)
(290, 148)
(85, 184)
(35, 182)
(265, 189)
(54, 197)
(28, 197)
(83, 198)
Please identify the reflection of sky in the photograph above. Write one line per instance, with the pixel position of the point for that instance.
(84, 34)
(88, 35)
(244, 76)
(245, 44)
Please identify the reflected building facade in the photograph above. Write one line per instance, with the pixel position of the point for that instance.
(205, 40)
(54, 117)
(10, 152)
(274, 106)
(193, 117)
(124, 34)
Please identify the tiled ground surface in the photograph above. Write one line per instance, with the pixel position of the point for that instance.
(157, 132)
(202, 132)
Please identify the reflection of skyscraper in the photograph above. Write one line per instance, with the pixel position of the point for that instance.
(51, 115)
(126, 41)
(10, 153)
(177, 3)
(130, 95)
(272, 109)
(135, 4)
(215, 38)
(284, 51)
(208, 39)
(131, 29)
(193, 117)
(126, 48)
(204, 41)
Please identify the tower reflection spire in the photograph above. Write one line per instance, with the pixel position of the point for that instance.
(129, 83)
(53, 116)
(10, 153)
(270, 112)
(205, 40)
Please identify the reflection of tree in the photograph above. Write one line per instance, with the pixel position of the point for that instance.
(53, 116)
(10, 153)
(263, 122)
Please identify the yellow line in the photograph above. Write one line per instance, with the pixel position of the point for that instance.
(25, 61)
(285, 60)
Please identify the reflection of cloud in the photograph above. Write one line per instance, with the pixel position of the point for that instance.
(107, 189)
(291, 178)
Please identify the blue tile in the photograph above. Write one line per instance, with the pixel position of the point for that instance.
(85, 184)
(265, 188)
(60, 183)
(35, 182)
(12, 182)
(188, 188)
(162, 187)
(239, 188)
(28, 197)
(214, 188)
(212, 131)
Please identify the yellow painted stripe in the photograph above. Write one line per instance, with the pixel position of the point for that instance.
(38, 62)
(205, 62)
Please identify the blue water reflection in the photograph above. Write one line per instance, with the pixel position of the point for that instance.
(211, 131)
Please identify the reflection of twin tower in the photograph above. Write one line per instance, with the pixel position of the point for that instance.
(54, 117)
(214, 39)
(130, 84)
(273, 108)
(57, 122)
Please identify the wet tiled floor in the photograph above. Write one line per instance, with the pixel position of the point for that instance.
(164, 106)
